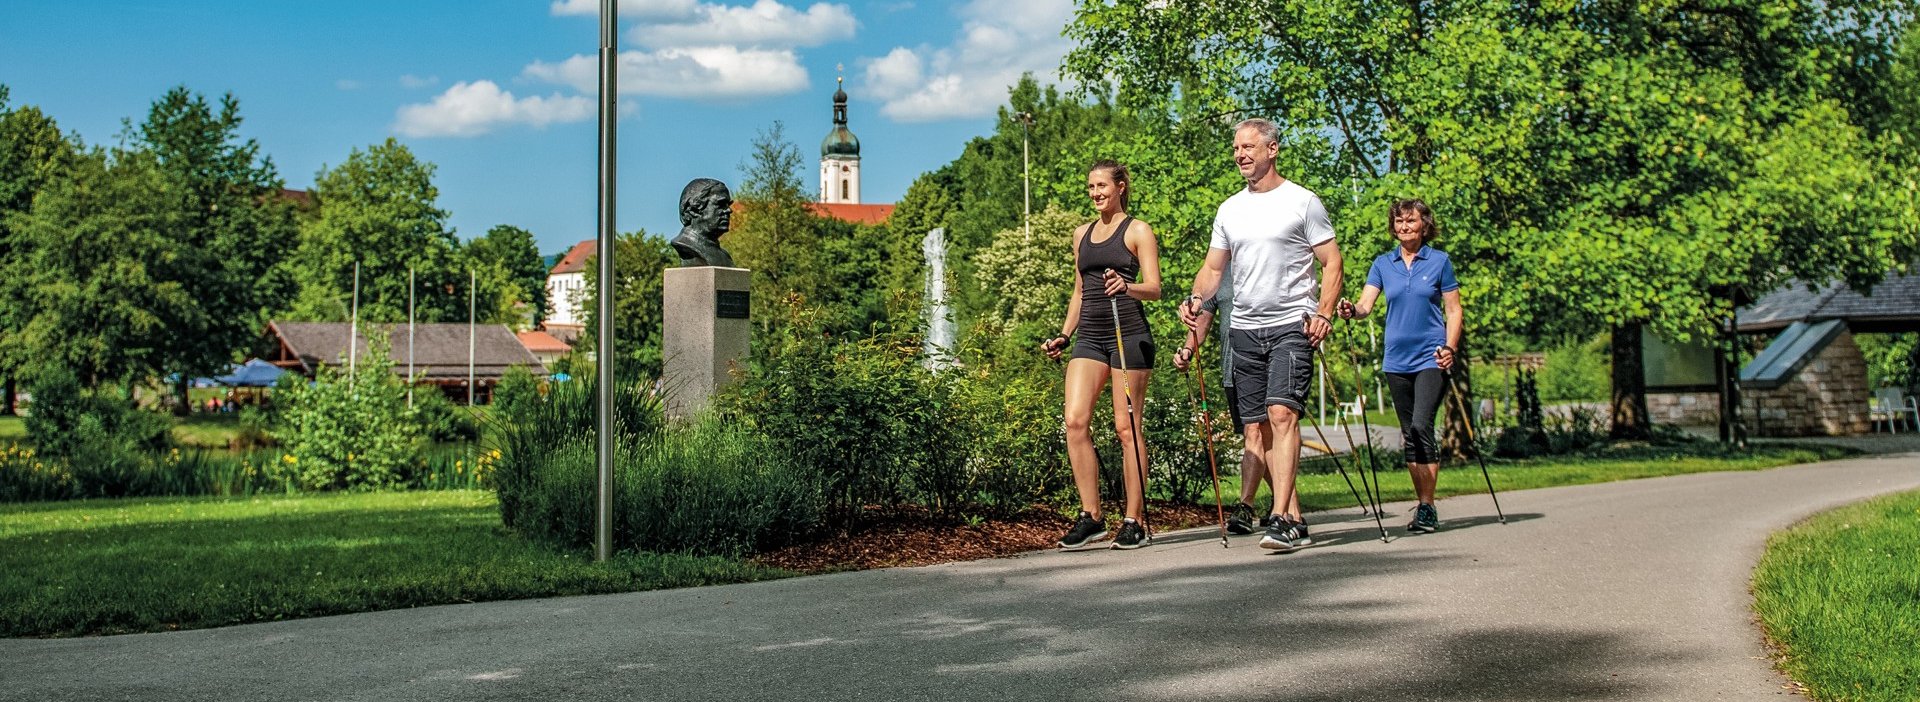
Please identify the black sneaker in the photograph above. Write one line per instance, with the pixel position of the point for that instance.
(1131, 535)
(1240, 519)
(1266, 520)
(1279, 536)
(1426, 520)
(1085, 530)
(1300, 536)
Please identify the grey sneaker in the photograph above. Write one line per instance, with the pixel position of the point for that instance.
(1426, 520)
(1279, 536)
(1240, 519)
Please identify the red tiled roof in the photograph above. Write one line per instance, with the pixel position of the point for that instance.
(857, 214)
(542, 342)
(576, 258)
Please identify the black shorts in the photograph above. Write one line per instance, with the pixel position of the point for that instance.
(1271, 366)
(1139, 351)
(1233, 408)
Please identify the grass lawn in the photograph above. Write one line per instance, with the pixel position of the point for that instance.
(1328, 491)
(12, 429)
(1840, 598)
(116, 566)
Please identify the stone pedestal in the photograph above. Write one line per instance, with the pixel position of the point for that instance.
(706, 334)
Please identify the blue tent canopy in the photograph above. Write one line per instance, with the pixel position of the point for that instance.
(252, 374)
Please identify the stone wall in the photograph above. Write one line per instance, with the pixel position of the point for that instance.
(1687, 409)
(1828, 397)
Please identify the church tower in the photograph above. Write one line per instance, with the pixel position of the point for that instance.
(840, 156)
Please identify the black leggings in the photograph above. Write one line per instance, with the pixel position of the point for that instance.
(1416, 397)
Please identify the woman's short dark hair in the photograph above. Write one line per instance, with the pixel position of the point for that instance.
(1401, 207)
(1119, 175)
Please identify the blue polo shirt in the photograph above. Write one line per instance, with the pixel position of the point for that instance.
(1416, 326)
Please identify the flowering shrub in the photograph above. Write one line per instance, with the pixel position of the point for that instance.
(25, 476)
(348, 430)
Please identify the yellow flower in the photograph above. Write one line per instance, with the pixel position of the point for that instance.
(290, 460)
(496, 453)
(349, 456)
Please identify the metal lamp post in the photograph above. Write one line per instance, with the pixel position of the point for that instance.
(603, 443)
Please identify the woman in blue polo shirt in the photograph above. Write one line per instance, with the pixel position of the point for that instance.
(1423, 330)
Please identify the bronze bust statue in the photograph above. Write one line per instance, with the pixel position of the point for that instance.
(706, 211)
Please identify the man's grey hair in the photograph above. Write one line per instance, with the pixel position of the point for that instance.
(1267, 129)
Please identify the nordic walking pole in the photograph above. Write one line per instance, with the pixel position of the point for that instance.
(1206, 437)
(1467, 419)
(1366, 432)
(1343, 476)
(1126, 388)
(1348, 480)
(1373, 491)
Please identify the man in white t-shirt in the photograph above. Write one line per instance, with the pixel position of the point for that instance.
(1273, 232)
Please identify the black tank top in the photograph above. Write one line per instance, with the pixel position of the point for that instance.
(1096, 313)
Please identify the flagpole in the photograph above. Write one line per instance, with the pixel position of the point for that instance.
(410, 287)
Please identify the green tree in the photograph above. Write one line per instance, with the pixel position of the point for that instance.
(232, 232)
(377, 209)
(513, 276)
(32, 154)
(85, 281)
(640, 261)
(1596, 165)
(774, 232)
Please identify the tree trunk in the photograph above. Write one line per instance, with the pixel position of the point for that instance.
(1629, 385)
(7, 397)
(182, 405)
(1455, 444)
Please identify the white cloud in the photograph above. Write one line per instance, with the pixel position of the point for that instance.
(348, 84)
(711, 73)
(630, 9)
(413, 82)
(765, 24)
(998, 41)
(472, 109)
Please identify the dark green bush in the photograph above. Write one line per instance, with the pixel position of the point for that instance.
(703, 487)
(66, 418)
(865, 416)
(1014, 437)
(528, 436)
(440, 420)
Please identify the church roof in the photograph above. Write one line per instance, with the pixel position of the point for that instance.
(857, 214)
(841, 144)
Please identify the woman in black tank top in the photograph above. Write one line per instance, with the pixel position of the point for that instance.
(1117, 266)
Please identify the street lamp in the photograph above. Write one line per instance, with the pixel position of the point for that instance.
(1026, 173)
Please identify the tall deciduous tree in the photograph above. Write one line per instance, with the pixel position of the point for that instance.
(32, 154)
(1596, 165)
(774, 234)
(232, 232)
(513, 276)
(378, 209)
(639, 265)
(84, 282)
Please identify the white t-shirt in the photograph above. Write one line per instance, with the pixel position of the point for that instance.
(1270, 237)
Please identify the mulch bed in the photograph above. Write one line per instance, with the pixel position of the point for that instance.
(917, 539)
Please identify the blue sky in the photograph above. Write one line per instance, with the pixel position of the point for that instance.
(499, 93)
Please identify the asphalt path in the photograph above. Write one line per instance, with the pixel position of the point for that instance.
(1623, 591)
